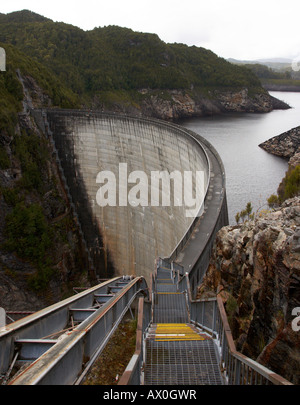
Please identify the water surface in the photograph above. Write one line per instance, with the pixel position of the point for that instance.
(251, 173)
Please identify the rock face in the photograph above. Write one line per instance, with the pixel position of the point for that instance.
(69, 260)
(256, 269)
(240, 101)
(177, 104)
(285, 145)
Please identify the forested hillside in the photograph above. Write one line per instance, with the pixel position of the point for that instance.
(113, 60)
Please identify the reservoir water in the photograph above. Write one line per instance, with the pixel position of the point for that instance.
(251, 173)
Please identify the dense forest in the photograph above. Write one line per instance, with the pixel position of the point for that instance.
(280, 77)
(115, 59)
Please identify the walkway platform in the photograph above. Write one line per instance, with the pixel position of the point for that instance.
(176, 351)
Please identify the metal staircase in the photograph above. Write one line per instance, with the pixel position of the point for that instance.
(176, 351)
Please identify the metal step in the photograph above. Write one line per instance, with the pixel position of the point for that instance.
(181, 363)
(176, 353)
(170, 308)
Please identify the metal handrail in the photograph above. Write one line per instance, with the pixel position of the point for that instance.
(132, 373)
(238, 368)
(66, 361)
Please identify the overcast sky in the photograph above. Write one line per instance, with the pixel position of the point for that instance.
(231, 28)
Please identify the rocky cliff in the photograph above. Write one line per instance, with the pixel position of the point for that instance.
(285, 145)
(178, 104)
(255, 267)
(42, 254)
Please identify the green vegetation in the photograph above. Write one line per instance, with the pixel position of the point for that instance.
(112, 59)
(231, 309)
(273, 201)
(291, 184)
(289, 187)
(11, 91)
(247, 212)
(28, 235)
(28, 232)
(32, 152)
(264, 72)
(269, 76)
(11, 95)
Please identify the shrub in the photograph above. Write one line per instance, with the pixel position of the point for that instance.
(33, 154)
(27, 232)
(273, 201)
(288, 188)
(291, 184)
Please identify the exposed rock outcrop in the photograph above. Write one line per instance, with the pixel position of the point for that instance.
(241, 101)
(177, 104)
(256, 269)
(285, 145)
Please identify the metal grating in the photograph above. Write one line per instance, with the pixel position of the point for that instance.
(175, 331)
(170, 307)
(175, 352)
(166, 287)
(181, 362)
(163, 274)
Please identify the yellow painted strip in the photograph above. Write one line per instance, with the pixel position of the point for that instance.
(184, 339)
(175, 332)
(168, 293)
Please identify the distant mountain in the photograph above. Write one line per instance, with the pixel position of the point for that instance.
(275, 60)
(273, 63)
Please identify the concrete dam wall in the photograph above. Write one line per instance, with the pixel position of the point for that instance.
(128, 233)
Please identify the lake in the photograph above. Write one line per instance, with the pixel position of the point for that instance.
(251, 173)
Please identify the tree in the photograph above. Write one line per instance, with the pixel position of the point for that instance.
(249, 209)
(243, 214)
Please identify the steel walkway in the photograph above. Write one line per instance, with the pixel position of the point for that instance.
(58, 344)
(177, 352)
(179, 341)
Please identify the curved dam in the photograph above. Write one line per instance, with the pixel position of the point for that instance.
(141, 189)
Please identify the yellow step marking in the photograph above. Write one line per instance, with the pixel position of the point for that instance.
(168, 293)
(175, 332)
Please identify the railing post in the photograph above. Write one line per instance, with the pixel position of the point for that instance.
(213, 328)
(202, 312)
(237, 371)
